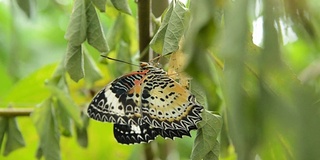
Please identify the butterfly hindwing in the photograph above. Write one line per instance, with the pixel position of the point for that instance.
(169, 106)
(130, 134)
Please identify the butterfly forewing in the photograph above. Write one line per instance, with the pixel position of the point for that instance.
(119, 101)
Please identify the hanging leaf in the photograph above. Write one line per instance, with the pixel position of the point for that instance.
(205, 142)
(91, 70)
(168, 36)
(100, 4)
(82, 133)
(122, 5)
(114, 34)
(63, 119)
(3, 128)
(47, 128)
(27, 6)
(74, 62)
(67, 105)
(14, 137)
(77, 28)
(95, 32)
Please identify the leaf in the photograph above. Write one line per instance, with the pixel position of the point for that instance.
(64, 119)
(115, 33)
(122, 5)
(47, 128)
(3, 128)
(77, 28)
(67, 105)
(26, 6)
(95, 32)
(167, 38)
(14, 137)
(214, 153)
(91, 70)
(82, 133)
(74, 62)
(100, 4)
(29, 91)
(39, 153)
(208, 131)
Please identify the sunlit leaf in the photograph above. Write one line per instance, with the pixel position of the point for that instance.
(209, 129)
(29, 91)
(77, 29)
(122, 5)
(100, 4)
(6, 81)
(14, 137)
(47, 128)
(95, 32)
(74, 62)
(3, 128)
(168, 36)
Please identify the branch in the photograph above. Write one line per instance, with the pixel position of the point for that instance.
(14, 112)
(144, 28)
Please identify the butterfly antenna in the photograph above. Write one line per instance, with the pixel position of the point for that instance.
(160, 56)
(118, 60)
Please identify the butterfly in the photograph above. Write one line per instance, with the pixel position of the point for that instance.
(145, 104)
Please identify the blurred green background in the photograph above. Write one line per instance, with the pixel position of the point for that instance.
(257, 61)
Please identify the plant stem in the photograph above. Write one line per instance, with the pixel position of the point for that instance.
(14, 112)
(144, 28)
(144, 40)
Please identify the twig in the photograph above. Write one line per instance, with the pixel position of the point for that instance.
(14, 112)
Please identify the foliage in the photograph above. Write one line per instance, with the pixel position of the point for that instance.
(264, 95)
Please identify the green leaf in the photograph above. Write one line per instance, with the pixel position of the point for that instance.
(39, 152)
(77, 28)
(214, 153)
(47, 128)
(14, 137)
(168, 36)
(205, 142)
(3, 128)
(114, 34)
(74, 62)
(29, 91)
(91, 70)
(95, 32)
(100, 4)
(64, 119)
(67, 105)
(122, 5)
(26, 6)
(82, 133)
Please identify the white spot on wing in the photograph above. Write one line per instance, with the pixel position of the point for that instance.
(136, 129)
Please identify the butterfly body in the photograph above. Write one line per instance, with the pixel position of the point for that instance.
(145, 104)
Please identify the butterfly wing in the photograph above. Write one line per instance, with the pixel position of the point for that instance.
(130, 134)
(119, 101)
(169, 106)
